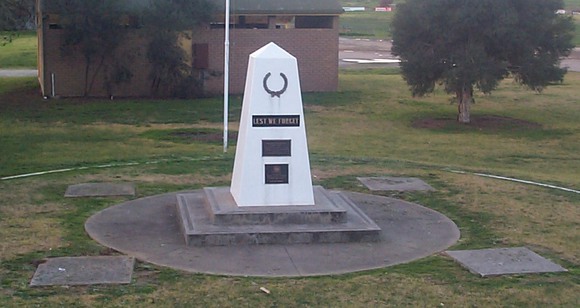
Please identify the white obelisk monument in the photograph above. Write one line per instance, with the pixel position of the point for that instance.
(272, 167)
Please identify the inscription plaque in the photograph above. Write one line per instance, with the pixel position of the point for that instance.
(276, 120)
(276, 148)
(276, 174)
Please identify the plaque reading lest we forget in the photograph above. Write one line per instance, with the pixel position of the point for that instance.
(276, 174)
(276, 120)
(276, 148)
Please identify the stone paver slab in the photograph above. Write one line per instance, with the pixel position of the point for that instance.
(84, 271)
(394, 184)
(503, 261)
(100, 190)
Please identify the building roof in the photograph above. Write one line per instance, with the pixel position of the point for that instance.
(256, 7)
(277, 7)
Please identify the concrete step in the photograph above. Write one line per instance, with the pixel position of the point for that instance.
(272, 225)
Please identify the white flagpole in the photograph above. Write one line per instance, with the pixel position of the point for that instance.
(226, 73)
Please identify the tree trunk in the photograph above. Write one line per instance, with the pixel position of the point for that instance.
(464, 100)
(87, 69)
(95, 73)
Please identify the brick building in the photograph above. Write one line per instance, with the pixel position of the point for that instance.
(305, 28)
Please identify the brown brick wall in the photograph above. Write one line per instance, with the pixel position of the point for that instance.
(69, 69)
(315, 49)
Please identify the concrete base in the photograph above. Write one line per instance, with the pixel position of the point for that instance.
(212, 218)
(147, 229)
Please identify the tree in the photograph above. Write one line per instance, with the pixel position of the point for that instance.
(463, 44)
(16, 14)
(385, 3)
(166, 22)
(99, 30)
(93, 29)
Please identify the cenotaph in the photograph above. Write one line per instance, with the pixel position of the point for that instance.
(271, 166)
(271, 199)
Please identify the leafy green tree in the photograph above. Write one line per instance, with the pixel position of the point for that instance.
(463, 44)
(16, 14)
(165, 22)
(93, 29)
(97, 30)
(385, 3)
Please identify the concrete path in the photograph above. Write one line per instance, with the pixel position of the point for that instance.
(18, 73)
(366, 49)
(148, 230)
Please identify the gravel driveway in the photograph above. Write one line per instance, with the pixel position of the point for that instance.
(365, 49)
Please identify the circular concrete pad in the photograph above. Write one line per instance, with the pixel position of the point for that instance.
(147, 229)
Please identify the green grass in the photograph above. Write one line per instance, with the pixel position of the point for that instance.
(576, 39)
(375, 25)
(365, 129)
(568, 4)
(131, 130)
(125, 111)
(20, 84)
(572, 4)
(18, 49)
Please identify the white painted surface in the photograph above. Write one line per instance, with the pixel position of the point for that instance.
(372, 61)
(249, 187)
(353, 8)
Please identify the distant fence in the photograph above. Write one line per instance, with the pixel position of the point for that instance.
(362, 9)
(383, 9)
(353, 8)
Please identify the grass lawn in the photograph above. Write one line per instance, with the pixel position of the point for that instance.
(373, 25)
(377, 25)
(18, 49)
(576, 39)
(371, 127)
(568, 4)
(572, 4)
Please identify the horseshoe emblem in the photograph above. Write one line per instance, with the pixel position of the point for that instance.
(275, 93)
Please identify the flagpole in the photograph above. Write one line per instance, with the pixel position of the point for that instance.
(226, 73)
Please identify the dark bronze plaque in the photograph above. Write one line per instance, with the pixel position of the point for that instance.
(276, 120)
(276, 174)
(276, 148)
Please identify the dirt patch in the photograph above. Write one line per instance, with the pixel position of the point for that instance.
(483, 123)
(203, 135)
(20, 98)
(192, 180)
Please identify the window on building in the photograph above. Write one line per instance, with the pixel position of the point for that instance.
(314, 22)
(277, 22)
